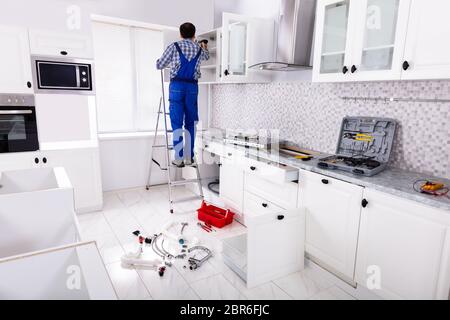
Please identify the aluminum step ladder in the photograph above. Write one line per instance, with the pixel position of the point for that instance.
(163, 113)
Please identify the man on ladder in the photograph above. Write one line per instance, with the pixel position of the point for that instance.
(184, 58)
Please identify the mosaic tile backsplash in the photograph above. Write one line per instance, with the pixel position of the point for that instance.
(310, 114)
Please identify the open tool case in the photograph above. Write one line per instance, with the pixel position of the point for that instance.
(364, 146)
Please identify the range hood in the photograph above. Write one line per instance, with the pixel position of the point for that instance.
(295, 37)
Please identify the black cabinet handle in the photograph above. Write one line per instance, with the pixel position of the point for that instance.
(325, 181)
(227, 73)
(206, 146)
(64, 53)
(406, 65)
(365, 203)
(44, 160)
(354, 68)
(265, 205)
(253, 168)
(280, 217)
(344, 70)
(36, 160)
(230, 154)
(29, 84)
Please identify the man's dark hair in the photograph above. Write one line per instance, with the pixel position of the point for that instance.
(187, 30)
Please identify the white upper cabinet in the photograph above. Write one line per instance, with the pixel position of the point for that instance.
(49, 43)
(15, 63)
(333, 40)
(245, 41)
(379, 39)
(404, 248)
(370, 40)
(427, 51)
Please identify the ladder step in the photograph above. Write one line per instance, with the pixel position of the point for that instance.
(184, 182)
(167, 113)
(187, 199)
(163, 146)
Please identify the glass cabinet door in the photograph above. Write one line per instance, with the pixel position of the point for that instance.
(237, 48)
(379, 45)
(379, 35)
(334, 39)
(235, 38)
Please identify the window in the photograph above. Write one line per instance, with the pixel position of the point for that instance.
(127, 83)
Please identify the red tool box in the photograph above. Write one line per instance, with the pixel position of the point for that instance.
(217, 217)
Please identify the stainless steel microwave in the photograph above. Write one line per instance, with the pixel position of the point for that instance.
(56, 75)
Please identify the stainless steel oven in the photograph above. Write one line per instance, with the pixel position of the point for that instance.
(62, 75)
(18, 128)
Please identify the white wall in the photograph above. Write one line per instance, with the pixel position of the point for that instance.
(52, 14)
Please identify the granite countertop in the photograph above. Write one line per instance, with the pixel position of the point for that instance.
(393, 180)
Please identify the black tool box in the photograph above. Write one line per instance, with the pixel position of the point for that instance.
(364, 147)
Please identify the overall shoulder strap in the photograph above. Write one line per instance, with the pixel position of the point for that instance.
(177, 46)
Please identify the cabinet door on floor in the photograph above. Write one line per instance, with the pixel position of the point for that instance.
(332, 209)
(404, 248)
(232, 184)
(427, 51)
(15, 62)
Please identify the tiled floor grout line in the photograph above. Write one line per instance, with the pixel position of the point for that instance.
(123, 248)
(273, 282)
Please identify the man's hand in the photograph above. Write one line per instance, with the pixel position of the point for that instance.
(203, 45)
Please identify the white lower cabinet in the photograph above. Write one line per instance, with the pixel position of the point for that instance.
(83, 168)
(17, 161)
(404, 248)
(273, 245)
(332, 209)
(232, 185)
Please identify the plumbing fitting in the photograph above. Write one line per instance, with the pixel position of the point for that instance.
(195, 263)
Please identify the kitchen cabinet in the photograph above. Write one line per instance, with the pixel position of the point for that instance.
(15, 63)
(427, 50)
(379, 40)
(60, 44)
(241, 42)
(360, 40)
(271, 247)
(246, 41)
(332, 209)
(232, 185)
(406, 245)
(17, 161)
(83, 169)
(369, 40)
(79, 132)
(334, 41)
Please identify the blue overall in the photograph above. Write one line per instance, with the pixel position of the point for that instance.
(183, 96)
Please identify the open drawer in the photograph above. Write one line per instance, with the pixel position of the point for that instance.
(259, 211)
(273, 245)
(273, 171)
(223, 150)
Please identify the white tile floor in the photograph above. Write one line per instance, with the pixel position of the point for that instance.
(147, 211)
